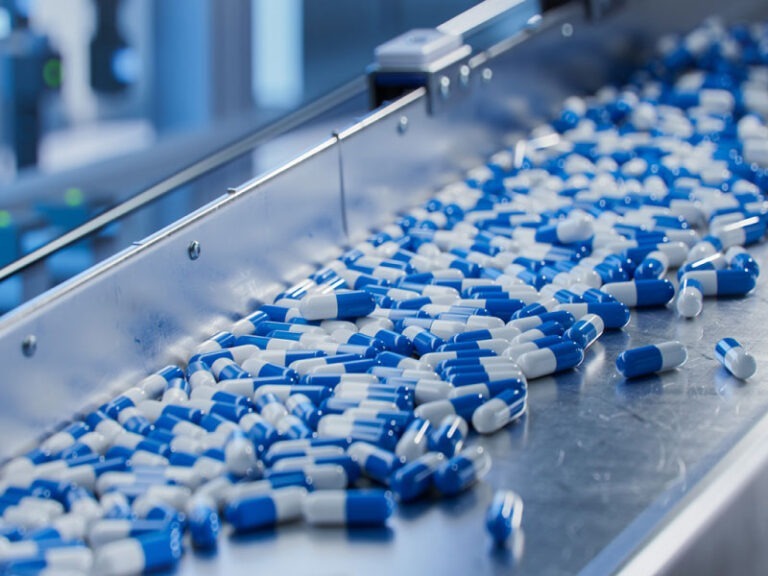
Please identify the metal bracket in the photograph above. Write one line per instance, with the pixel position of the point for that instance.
(413, 60)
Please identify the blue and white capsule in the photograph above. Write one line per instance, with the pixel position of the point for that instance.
(413, 442)
(651, 359)
(740, 259)
(415, 478)
(464, 406)
(54, 556)
(337, 305)
(460, 472)
(348, 507)
(504, 516)
(376, 463)
(653, 266)
(641, 293)
(586, 331)
(448, 438)
(615, 315)
(546, 361)
(423, 340)
(267, 510)
(204, 522)
(153, 551)
(690, 297)
(723, 282)
(735, 358)
(105, 531)
(501, 410)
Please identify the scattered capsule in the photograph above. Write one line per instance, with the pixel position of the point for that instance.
(642, 293)
(460, 472)
(414, 479)
(586, 330)
(264, 511)
(545, 361)
(690, 297)
(413, 442)
(735, 358)
(348, 507)
(449, 436)
(500, 411)
(504, 516)
(376, 463)
(723, 282)
(651, 359)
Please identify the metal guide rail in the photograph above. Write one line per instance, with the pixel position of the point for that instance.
(604, 466)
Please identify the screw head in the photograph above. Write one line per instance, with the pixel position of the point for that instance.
(486, 74)
(402, 125)
(193, 250)
(566, 30)
(464, 72)
(29, 345)
(445, 86)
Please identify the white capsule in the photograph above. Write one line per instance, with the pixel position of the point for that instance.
(735, 358)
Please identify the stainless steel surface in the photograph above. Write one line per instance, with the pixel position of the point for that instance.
(597, 460)
(148, 305)
(601, 463)
(720, 523)
(373, 147)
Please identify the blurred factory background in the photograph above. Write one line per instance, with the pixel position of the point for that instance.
(102, 100)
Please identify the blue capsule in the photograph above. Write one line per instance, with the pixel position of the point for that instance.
(153, 551)
(460, 472)
(415, 478)
(614, 315)
(303, 408)
(545, 361)
(267, 510)
(250, 323)
(449, 436)
(642, 293)
(654, 266)
(505, 408)
(337, 305)
(504, 516)
(376, 463)
(348, 507)
(731, 354)
(651, 359)
(413, 442)
(423, 340)
(586, 330)
(690, 297)
(436, 411)
(723, 282)
(740, 259)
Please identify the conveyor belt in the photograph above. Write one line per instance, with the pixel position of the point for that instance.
(600, 463)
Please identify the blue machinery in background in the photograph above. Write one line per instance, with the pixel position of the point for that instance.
(208, 62)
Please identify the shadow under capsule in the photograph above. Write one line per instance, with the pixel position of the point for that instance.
(507, 555)
(632, 388)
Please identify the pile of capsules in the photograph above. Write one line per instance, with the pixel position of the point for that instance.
(359, 386)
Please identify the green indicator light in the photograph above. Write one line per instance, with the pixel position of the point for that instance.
(5, 219)
(52, 73)
(73, 196)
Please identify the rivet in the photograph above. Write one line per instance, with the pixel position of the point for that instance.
(29, 345)
(193, 250)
